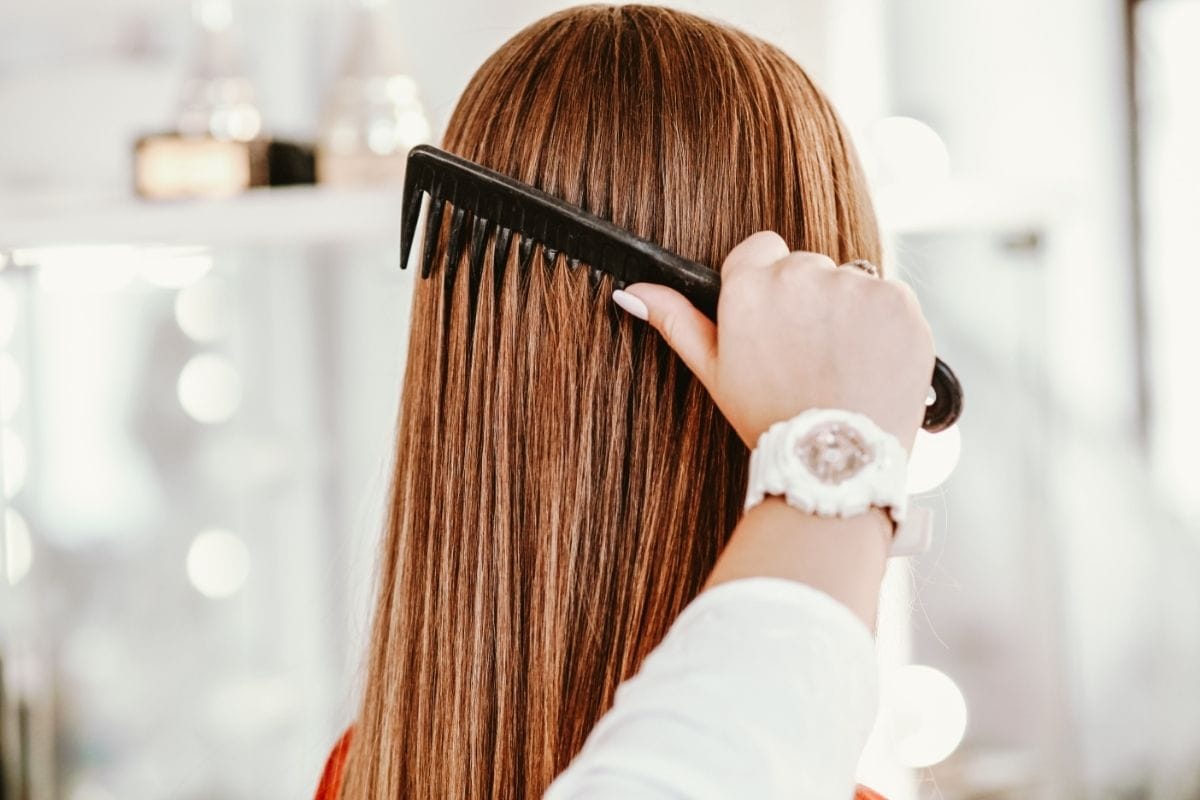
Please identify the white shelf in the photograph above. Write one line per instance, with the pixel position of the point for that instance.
(962, 207)
(300, 215)
(309, 215)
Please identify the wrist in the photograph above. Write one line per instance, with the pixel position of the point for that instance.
(844, 557)
(871, 528)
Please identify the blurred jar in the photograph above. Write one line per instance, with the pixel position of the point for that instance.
(373, 115)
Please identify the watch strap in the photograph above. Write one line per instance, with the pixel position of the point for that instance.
(830, 462)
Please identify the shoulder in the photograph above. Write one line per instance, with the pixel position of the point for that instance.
(330, 786)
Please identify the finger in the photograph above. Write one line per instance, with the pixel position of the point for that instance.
(684, 327)
(758, 250)
(805, 259)
(808, 259)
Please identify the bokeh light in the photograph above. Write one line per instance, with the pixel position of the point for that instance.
(213, 15)
(175, 268)
(102, 268)
(8, 313)
(10, 386)
(934, 457)
(218, 563)
(18, 546)
(926, 713)
(906, 151)
(15, 462)
(210, 389)
(202, 310)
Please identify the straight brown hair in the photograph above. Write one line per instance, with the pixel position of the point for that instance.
(562, 484)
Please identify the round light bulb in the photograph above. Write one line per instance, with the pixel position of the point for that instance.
(907, 151)
(218, 563)
(202, 310)
(934, 456)
(15, 462)
(10, 386)
(8, 313)
(926, 714)
(18, 547)
(210, 389)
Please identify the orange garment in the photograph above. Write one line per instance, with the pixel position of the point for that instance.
(331, 778)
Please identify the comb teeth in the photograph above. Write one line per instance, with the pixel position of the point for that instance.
(412, 210)
(545, 220)
(434, 224)
(479, 236)
(500, 256)
(457, 240)
(525, 253)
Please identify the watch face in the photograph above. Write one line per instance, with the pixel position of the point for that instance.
(834, 451)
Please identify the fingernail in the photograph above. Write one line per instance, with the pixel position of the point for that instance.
(631, 304)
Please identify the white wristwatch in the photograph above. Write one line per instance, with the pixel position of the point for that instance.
(837, 463)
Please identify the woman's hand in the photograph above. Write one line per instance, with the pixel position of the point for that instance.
(795, 332)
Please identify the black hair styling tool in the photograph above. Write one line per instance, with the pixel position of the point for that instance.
(485, 201)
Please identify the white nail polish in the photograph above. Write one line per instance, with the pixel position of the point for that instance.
(631, 304)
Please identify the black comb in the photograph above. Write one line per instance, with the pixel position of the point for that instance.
(484, 200)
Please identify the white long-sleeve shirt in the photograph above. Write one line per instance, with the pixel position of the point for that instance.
(763, 688)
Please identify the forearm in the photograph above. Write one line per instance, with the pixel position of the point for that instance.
(845, 558)
(763, 688)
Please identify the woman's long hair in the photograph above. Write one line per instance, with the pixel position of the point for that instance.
(563, 485)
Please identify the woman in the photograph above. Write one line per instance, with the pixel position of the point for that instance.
(564, 484)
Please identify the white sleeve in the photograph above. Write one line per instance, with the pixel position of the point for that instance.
(763, 688)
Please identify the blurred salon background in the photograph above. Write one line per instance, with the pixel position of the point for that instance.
(203, 321)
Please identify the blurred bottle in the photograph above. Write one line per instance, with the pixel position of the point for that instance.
(373, 115)
(217, 147)
(218, 99)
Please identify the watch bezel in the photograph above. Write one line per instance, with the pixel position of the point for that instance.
(777, 469)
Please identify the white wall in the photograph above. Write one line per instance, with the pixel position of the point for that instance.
(1032, 94)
